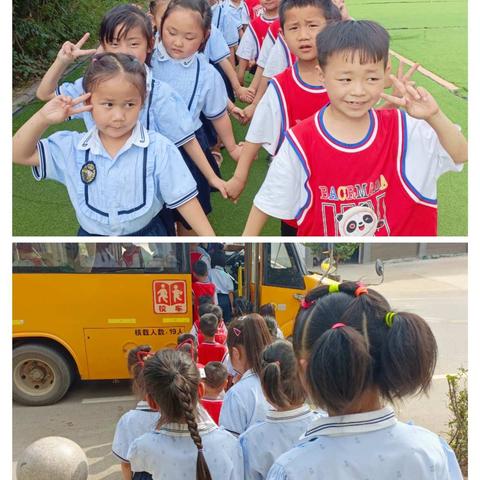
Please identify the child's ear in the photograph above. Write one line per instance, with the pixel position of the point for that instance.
(320, 73)
(201, 390)
(152, 403)
(388, 68)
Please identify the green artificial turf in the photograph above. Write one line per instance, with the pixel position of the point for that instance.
(433, 33)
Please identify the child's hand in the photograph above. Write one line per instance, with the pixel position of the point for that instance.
(235, 187)
(245, 94)
(71, 51)
(220, 185)
(237, 112)
(59, 108)
(248, 111)
(416, 100)
(404, 78)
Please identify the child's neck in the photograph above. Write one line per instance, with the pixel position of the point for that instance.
(212, 393)
(113, 145)
(308, 71)
(236, 2)
(208, 339)
(369, 401)
(344, 128)
(270, 14)
(288, 408)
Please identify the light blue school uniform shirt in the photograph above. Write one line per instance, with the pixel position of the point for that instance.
(128, 190)
(372, 445)
(164, 111)
(195, 80)
(265, 441)
(169, 453)
(239, 13)
(223, 20)
(216, 48)
(133, 424)
(244, 404)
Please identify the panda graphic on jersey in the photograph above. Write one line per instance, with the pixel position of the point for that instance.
(359, 221)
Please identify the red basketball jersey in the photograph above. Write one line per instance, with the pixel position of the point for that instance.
(213, 407)
(259, 27)
(254, 8)
(274, 33)
(360, 189)
(211, 352)
(273, 29)
(201, 289)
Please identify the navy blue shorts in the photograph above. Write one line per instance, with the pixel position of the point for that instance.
(160, 226)
(142, 476)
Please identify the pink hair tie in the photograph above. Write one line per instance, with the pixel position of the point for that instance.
(360, 290)
(306, 304)
(337, 325)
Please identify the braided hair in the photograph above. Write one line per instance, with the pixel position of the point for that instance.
(171, 379)
(368, 346)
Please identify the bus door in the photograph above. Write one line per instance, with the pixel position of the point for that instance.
(281, 281)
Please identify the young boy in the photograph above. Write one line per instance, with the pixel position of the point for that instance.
(201, 286)
(293, 95)
(209, 350)
(215, 382)
(252, 40)
(347, 170)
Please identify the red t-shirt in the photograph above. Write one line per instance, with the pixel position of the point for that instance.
(211, 352)
(213, 407)
(201, 289)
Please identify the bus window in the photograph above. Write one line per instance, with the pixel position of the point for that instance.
(99, 258)
(281, 267)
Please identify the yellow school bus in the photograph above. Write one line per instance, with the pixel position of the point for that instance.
(79, 307)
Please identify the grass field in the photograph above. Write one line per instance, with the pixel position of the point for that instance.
(433, 33)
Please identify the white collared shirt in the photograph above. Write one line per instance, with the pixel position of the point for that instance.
(239, 13)
(371, 445)
(163, 111)
(128, 190)
(169, 452)
(265, 441)
(244, 404)
(223, 20)
(133, 424)
(216, 48)
(196, 81)
(222, 280)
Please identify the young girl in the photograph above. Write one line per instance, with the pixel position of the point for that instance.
(126, 29)
(184, 30)
(142, 419)
(118, 174)
(244, 403)
(183, 445)
(356, 354)
(265, 441)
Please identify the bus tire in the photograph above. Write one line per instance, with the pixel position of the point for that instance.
(41, 375)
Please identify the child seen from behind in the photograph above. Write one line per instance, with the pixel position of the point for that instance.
(215, 382)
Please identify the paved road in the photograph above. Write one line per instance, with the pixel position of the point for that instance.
(435, 289)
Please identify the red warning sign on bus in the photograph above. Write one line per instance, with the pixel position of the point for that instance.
(169, 296)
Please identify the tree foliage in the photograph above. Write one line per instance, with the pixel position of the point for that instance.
(40, 27)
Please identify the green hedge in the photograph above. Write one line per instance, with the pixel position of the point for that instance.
(40, 27)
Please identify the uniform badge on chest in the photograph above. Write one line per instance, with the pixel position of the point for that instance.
(88, 172)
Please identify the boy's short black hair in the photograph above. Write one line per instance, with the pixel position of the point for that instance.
(215, 374)
(329, 9)
(369, 39)
(200, 268)
(208, 324)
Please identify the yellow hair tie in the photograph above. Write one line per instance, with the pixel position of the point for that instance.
(389, 319)
(333, 288)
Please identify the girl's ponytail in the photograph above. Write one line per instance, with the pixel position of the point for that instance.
(408, 355)
(339, 368)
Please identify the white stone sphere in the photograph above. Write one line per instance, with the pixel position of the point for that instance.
(52, 458)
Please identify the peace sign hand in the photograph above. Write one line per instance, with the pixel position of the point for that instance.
(415, 100)
(59, 108)
(71, 51)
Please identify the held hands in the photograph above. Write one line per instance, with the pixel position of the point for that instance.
(220, 185)
(59, 108)
(245, 94)
(417, 102)
(234, 188)
(71, 51)
(238, 113)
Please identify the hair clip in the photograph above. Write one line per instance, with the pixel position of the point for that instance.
(236, 331)
(337, 325)
(360, 290)
(334, 288)
(389, 319)
(306, 304)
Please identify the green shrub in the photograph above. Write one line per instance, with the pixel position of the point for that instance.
(458, 424)
(40, 27)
